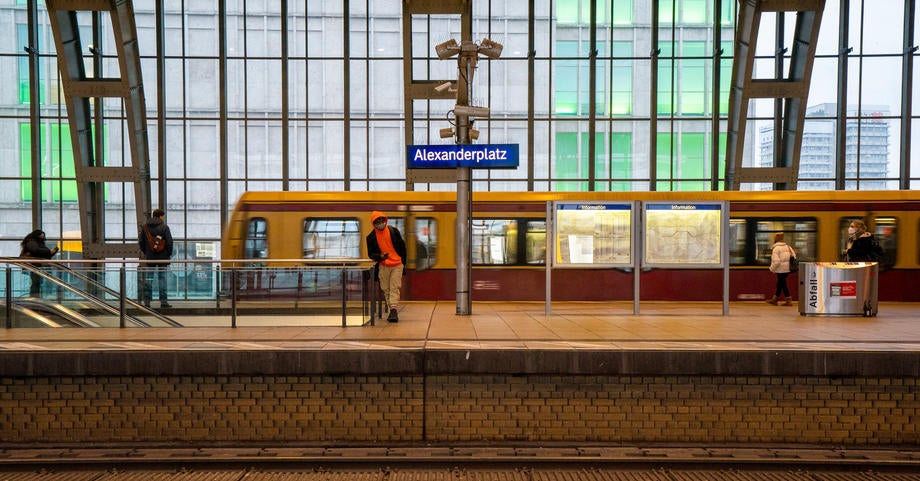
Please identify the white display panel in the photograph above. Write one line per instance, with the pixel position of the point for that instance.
(593, 234)
(684, 234)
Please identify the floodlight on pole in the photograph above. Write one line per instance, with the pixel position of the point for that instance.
(490, 49)
(448, 49)
(444, 87)
(470, 111)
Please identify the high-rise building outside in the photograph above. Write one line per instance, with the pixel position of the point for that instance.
(867, 148)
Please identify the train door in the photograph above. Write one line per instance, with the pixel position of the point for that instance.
(420, 231)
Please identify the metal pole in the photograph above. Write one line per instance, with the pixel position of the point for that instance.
(549, 229)
(35, 114)
(233, 282)
(638, 232)
(344, 300)
(464, 246)
(122, 287)
(371, 291)
(9, 297)
(466, 62)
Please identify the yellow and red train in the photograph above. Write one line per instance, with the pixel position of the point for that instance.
(509, 236)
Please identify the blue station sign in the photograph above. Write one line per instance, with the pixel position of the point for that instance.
(477, 156)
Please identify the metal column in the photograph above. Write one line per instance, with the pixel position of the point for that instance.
(91, 172)
(792, 89)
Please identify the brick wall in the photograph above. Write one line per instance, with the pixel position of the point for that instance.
(461, 408)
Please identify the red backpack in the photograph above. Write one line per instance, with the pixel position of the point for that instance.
(154, 243)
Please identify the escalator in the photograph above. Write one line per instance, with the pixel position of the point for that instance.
(81, 301)
(35, 312)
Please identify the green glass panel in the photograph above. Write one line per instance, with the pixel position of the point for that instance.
(600, 155)
(725, 75)
(567, 11)
(57, 165)
(621, 101)
(621, 160)
(694, 49)
(692, 162)
(693, 79)
(665, 11)
(693, 11)
(622, 49)
(728, 12)
(22, 63)
(663, 157)
(566, 98)
(622, 12)
(665, 106)
(566, 164)
(692, 85)
(692, 156)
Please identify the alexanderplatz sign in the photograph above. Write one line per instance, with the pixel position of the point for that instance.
(477, 156)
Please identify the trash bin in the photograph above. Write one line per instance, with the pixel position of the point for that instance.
(838, 288)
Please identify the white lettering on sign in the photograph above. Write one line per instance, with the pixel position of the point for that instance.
(424, 155)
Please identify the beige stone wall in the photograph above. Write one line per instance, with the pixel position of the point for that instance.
(849, 411)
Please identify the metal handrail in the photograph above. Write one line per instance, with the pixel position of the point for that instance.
(232, 267)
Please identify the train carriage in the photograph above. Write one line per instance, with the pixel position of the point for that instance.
(508, 236)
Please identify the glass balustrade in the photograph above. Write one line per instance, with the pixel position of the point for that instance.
(86, 293)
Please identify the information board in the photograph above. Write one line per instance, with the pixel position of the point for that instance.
(684, 234)
(593, 234)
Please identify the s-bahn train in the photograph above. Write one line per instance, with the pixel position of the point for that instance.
(508, 237)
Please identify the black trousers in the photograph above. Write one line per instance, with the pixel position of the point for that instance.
(35, 290)
(781, 286)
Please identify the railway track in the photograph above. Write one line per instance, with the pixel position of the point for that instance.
(570, 463)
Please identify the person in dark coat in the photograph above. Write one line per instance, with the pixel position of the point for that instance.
(159, 232)
(861, 244)
(33, 246)
(386, 246)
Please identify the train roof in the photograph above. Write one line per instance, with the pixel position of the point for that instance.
(274, 197)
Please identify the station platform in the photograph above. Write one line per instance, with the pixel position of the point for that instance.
(589, 372)
(518, 326)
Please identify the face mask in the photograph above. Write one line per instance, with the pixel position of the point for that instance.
(379, 225)
(851, 230)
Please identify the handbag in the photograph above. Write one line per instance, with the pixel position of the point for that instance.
(793, 261)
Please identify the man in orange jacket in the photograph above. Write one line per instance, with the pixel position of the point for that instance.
(385, 245)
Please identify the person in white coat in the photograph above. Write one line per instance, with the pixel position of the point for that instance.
(779, 265)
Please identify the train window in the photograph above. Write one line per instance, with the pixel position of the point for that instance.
(737, 240)
(536, 242)
(331, 239)
(426, 243)
(801, 234)
(886, 232)
(494, 241)
(256, 245)
(399, 223)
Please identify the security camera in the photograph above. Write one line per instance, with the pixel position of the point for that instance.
(446, 133)
(444, 87)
